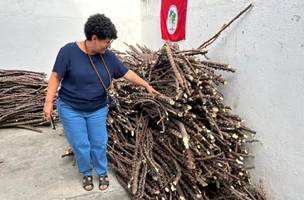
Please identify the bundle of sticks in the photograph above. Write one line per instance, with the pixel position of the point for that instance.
(185, 143)
(22, 96)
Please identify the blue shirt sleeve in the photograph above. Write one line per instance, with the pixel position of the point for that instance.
(119, 68)
(62, 62)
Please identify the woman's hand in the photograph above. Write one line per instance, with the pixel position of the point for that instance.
(48, 110)
(53, 84)
(151, 90)
(135, 79)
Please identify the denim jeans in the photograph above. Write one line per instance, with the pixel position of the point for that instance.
(87, 134)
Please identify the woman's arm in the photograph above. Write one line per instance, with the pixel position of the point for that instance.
(135, 79)
(53, 85)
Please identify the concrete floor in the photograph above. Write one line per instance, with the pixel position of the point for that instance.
(31, 167)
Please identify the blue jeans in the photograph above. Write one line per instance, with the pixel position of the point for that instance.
(87, 134)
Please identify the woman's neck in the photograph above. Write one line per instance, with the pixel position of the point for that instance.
(88, 47)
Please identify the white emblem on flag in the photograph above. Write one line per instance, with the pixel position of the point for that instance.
(172, 19)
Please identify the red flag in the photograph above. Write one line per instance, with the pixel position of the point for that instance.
(173, 19)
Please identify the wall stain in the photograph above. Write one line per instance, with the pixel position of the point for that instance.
(297, 18)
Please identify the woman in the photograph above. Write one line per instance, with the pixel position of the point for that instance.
(85, 70)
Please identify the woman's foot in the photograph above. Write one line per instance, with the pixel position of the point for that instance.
(87, 183)
(103, 182)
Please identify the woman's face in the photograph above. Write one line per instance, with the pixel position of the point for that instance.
(100, 46)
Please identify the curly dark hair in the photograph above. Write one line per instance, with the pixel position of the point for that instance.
(101, 26)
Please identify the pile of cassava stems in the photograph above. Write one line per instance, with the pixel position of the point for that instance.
(22, 96)
(185, 143)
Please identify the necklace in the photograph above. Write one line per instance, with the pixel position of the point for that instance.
(95, 69)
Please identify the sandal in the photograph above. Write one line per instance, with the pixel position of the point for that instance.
(103, 181)
(86, 182)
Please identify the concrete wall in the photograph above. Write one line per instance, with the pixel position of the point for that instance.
(32, 31)
(267, 48)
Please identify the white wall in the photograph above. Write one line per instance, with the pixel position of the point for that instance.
(32, 31)
(267, 48)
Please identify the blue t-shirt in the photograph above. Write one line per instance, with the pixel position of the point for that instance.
(80, 86)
